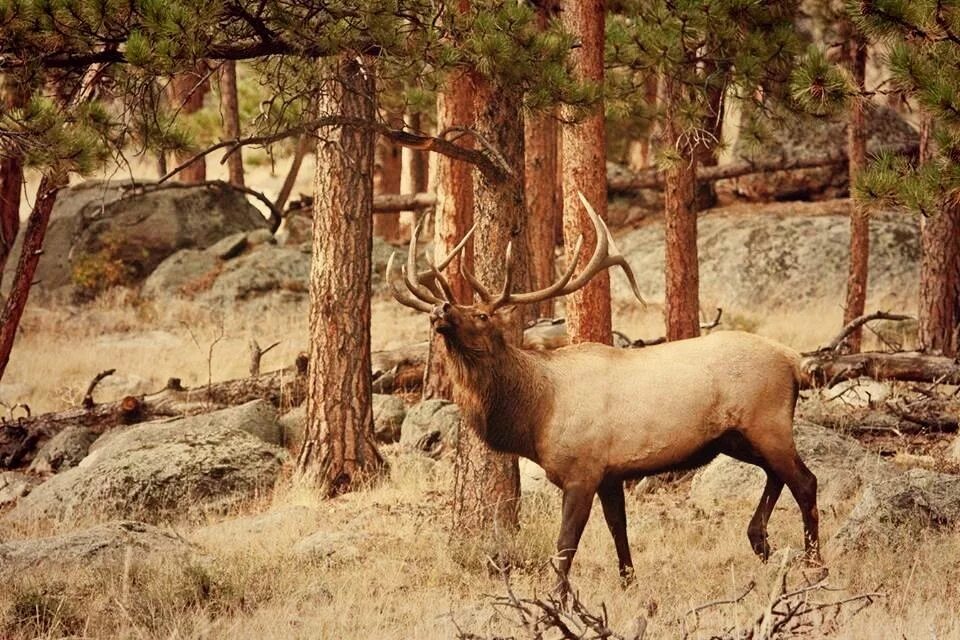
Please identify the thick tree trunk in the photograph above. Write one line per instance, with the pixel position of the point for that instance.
(939, 307)
(11, 179)
(387, 181)
(859, 218)
(583, 157)
(230, 106)
(454, 218)
(682, 293)
(544, 201)
(486, 483)
(338, 451)
(303, 147)
(29, 257)
(187, 91)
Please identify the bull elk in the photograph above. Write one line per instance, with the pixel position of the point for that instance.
(594, 416)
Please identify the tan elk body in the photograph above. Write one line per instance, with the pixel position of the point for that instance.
(593, 416)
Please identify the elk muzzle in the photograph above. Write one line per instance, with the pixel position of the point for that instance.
(440, 318)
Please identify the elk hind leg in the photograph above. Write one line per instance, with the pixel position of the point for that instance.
(615, 513)
(757, 529)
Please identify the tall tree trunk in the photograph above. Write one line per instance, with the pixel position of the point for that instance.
(487, 483)
(29, 257)
(453, 220)
(187, 91)
(939, 308)
(544, 201)
(583, 157)
(303, 146)
(710, 142)
(12, 96)
(230, 106)
(682, 294)
(388, 177)
(859, 218)
(414, 176)
(338, 451)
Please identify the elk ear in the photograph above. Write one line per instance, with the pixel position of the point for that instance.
(506, 312)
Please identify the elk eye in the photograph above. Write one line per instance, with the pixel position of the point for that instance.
(483, 316)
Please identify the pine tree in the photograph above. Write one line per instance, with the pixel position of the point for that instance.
(705, 53)
(924, 40)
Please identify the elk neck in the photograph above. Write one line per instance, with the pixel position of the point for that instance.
(506, 396)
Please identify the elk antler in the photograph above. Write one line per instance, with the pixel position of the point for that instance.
(605, 255)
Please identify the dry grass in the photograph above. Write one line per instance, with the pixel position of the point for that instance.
(406, 579)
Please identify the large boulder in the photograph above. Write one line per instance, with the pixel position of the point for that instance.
(64, 450)
(14, 485)
(388, 415)
(799, 139)
(755, 257)
(161, 470)
(841, 465)
(900, 507)
(431, 426)
(282, 525)
(107, 234)
(106, 543)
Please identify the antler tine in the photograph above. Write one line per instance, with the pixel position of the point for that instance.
(552, 290)
(404, 299)
(477, 286)
(604, 256)
(437, 278)
(507, 278)
(457, 249)
(410, 275)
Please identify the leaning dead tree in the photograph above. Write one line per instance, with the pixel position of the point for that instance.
(829, 365)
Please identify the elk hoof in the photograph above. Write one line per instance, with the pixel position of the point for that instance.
(627, 577)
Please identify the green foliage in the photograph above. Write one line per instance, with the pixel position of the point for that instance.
(108, 267)
(710, 49)
(819, 86)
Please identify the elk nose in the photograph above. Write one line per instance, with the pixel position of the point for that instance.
(441, 310)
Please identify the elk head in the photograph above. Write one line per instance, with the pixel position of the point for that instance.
(480, 329)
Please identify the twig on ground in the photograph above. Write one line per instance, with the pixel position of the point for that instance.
(88, 396)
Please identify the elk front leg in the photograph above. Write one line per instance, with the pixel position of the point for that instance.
(577, 501)
(615, 513)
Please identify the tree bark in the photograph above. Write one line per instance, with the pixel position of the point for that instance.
(338, 451)
(387, 182)
(583, 157)
(11, 179)
(859, 218)
(454, 218)
(230, 106)
(487, 483)
(939, 306)
(544, 201)
(187, 91)
(682, 293)
(29, 257)
(414, 175)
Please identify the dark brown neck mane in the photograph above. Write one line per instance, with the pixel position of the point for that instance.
(505, 396)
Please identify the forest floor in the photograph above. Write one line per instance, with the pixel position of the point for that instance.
(396, 570)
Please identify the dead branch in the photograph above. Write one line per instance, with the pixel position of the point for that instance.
(276, 215)
(936, 423)
(715, 322)
(837, 343)
(639, 343)
(256, 354)
(88, 396)
(828, 368)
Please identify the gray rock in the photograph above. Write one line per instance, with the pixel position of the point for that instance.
(133, 234)
(901, 507)
(294, 424)
(388, 414)
(14, 485)
(841, 465)
(64, 450)
(329, 545)
(103, 544)
(430, 425)
(268, 269)
(792, 138)
(230, 247)
(533, 479)
(185, 273)
(163, 470)
(260, 236)
(760, 258)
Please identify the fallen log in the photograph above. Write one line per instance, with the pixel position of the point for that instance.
(21, 437)
(825, 369)
(653, 178)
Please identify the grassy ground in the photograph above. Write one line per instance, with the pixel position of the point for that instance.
(400, 575)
